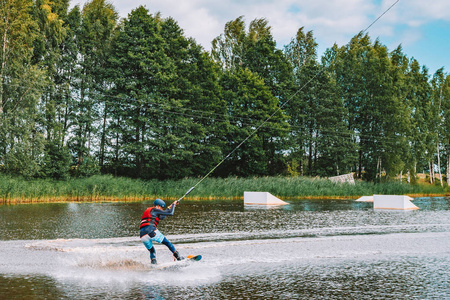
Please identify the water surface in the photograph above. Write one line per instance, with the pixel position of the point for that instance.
(309, 249)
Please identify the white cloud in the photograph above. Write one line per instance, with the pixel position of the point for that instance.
(332, 21)
(429, 10)
(417, 12)
(205, 19)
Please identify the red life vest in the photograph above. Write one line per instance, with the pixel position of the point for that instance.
(147, 218)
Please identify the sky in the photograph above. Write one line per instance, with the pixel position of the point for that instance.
(421, 27)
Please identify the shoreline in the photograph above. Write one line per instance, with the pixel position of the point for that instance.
(109, 199)
(106, 188)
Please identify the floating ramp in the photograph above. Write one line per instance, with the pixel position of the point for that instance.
(262, 198)
(348, 178)
(365, 199)
(393, 202)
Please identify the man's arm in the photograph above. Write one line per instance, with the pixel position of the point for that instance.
(167, 212)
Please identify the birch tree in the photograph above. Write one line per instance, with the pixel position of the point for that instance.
(254, 50)
(21, 82)
(440, 86)
(94, 37)
(446, 123)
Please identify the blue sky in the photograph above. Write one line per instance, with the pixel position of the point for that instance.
(421, 27)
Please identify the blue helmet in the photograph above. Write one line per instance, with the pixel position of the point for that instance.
(160, 203)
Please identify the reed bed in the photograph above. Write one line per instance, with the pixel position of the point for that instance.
(109, 188)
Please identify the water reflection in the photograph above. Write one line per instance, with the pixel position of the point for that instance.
(267, 207)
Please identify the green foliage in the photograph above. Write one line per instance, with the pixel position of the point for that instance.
(245, 55)
(374, 93)
(166, 82)
(293, 168)
(86, 167)
(319, 137)
(250, 99)
(57, 161)
(81, 94)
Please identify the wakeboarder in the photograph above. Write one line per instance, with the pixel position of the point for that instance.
(149, 232)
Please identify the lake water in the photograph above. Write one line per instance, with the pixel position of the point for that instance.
(309, 249)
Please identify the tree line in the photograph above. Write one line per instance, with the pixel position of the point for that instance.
(83, 93)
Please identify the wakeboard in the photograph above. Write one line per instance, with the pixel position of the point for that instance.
(194, 257)
(175, 265)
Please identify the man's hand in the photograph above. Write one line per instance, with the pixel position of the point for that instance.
(174, 204)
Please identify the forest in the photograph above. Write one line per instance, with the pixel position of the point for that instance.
(83, 92)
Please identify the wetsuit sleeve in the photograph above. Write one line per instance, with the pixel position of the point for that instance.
(164, 213)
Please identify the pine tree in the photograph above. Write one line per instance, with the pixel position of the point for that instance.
(166, 97)
(197, 86)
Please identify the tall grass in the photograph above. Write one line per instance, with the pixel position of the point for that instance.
(298, 187)
(106, 187)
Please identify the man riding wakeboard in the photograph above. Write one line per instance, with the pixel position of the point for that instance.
(149, 233)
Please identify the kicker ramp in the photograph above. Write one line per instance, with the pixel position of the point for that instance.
(262, 198)
(393, 202)
(365, 199)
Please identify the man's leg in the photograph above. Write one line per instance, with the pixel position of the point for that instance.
(160, 238)
(171, 247)
(146, 240)
(153, 255)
